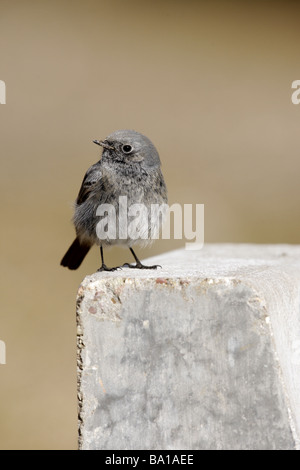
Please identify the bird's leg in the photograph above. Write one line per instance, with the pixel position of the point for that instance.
(138, 264)
(103, 265)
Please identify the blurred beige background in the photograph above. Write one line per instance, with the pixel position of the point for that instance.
(208, 82)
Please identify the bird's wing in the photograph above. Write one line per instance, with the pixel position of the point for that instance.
(90, 181)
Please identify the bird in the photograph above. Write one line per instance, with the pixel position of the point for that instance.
(129, 170)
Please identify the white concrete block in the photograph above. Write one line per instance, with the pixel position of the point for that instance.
(201, 354)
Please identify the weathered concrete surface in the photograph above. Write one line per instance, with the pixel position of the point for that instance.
(201, 354)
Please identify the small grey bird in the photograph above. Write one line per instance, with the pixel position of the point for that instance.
(129, 168)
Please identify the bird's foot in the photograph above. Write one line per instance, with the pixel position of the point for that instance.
(105, 268)
(140, 266)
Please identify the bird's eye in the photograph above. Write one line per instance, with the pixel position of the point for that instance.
(127, 148)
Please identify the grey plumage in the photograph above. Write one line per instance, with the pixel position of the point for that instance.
(130, 166)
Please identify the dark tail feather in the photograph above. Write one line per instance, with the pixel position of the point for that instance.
(75, 255)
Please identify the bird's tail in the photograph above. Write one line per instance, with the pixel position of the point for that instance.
(75, 255)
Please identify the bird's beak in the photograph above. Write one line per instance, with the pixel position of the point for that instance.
(103, 144)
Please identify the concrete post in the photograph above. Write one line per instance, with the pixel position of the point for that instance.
(201, 354)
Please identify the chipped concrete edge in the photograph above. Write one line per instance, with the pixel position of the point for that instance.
(80, 347)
